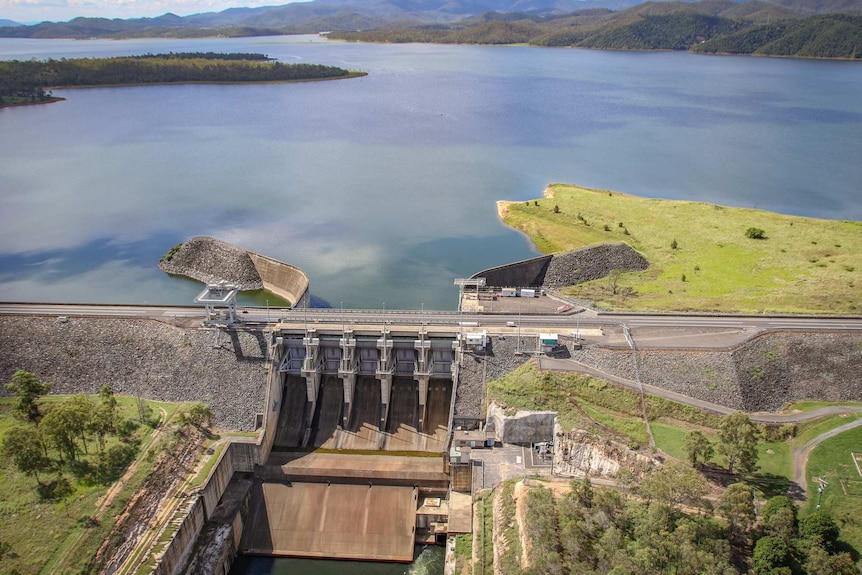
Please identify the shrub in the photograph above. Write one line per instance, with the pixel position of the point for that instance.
(172, 252)
(755, 234)
(673, 244)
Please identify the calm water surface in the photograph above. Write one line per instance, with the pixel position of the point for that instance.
(382, 188)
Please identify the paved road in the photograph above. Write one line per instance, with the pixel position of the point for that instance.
(453, 319)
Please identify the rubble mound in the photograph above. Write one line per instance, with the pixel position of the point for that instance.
(212, 261)
(591, 263)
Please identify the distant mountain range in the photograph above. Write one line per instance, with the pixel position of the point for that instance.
(9, 23)
(352, 15)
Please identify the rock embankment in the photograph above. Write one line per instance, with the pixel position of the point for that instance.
(212, 261)
(777, 368)
(591, 263)
(498, 359)
(762, 374)
(150, 359)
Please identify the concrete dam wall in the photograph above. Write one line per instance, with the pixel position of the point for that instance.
(282, 279)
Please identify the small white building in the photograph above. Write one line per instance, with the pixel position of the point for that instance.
(548, 341)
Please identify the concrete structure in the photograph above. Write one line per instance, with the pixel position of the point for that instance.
(364, 389)
(524, 427)
(282, 279)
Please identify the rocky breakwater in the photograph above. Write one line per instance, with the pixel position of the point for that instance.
(592, 263)
(212, 261)
(225, 370)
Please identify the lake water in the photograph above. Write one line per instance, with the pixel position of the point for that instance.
(382, 188)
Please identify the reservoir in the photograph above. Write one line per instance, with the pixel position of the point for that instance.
(382, 188)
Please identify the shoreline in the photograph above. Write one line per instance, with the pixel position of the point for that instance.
(700, 257)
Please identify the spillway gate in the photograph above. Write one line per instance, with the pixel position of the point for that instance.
(364, 389)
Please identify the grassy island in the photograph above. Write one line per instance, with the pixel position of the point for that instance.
(27, 82)
(703, 257)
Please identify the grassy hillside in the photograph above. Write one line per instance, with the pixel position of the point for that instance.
(803, 265)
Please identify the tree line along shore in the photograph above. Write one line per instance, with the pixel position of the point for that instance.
(29, 82)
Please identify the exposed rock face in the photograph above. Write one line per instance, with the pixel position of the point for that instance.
(580, 452)
(524, 426)
(211, 261)
(591, 263)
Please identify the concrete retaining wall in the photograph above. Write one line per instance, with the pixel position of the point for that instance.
(282, 279)
(523, 426)
(518, 274)
(272, 404)
(176, 553)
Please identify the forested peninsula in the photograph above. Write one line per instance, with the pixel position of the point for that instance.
(29, 82)
(708, 27)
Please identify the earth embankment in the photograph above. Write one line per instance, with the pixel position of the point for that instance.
(224, 369)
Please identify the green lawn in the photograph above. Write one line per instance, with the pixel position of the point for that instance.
(804, 265)
(831, 460)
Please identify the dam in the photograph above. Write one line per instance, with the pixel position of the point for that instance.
(358, 429)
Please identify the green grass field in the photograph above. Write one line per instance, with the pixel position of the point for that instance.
(804, 265)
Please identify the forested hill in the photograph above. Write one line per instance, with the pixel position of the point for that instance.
(23, 82)
(350, 15)
(708, 26)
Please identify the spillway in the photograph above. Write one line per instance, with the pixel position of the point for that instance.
(343, 394)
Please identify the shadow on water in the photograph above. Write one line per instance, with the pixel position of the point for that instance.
(428, 560)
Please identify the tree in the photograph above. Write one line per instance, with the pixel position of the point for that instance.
(62, 425)
(736, 506)
(698, 447)
(738, 438)
(770, 553)
(109, 405)
(83, 409)
(199, 415)
(779, 518)
(755, 234)
(675, 485)
(27, 388)
(674, 245)
(23, 445)
(614, 279)
(819, 528)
